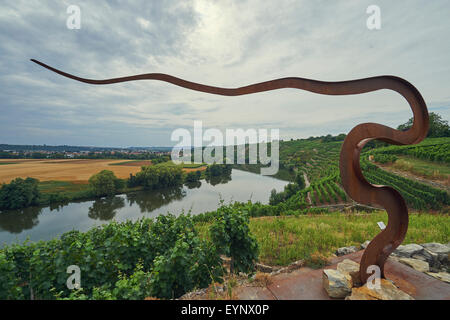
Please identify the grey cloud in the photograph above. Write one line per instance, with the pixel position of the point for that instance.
(227, 43)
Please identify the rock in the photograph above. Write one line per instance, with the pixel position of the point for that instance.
(295, 265)
(365, 244)
(437, 248)
(346, 250)
(442, 250)
(263, 268)
(392, 257)
(187, 296)
(336, 284)
(430, 257)
(352, 269)
(359, 295)
(443, 276)
(416, 264)
(408, 250)
(291, 267)
(387, 291)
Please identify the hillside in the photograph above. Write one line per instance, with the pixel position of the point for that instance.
(318, 160)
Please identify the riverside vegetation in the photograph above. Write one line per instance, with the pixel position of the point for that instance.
(21, 193)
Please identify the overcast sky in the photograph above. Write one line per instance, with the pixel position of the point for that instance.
(223, 43)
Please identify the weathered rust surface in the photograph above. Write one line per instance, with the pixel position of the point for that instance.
(306, 284)
(353, 181)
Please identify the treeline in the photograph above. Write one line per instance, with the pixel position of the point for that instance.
(63, 148)
(91, 155)
(157, 177)
(289, 190)
(21, 193)
(124, 155)
(215, 170)
(31, 155)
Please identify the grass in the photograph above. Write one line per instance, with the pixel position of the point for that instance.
(124, 162)
(313, 238)
(3, 163)
(64, 191)
(184, 165)
(61, 186)
(428, 169)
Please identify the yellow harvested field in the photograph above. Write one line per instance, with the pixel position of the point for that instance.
(62, 169)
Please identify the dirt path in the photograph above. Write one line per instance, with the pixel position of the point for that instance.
(307, 184)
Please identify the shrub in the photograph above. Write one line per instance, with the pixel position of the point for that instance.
(9, 288)
(218, 169)
(159, 176)
(19, 193)
(133, 287)
(230, 233)
(105, 183)
(384, 158)
(131, 260)
(193, 176)
(300, 180)
(183, 268)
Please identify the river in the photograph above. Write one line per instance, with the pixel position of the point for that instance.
(44, 223)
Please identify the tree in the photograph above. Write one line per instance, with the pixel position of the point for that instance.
(105, 183)
(19, 193)
(300, 180)
(193, 176)
(159, 176)
(438, 126)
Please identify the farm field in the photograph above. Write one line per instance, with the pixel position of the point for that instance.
(77, 170)
(74, 170)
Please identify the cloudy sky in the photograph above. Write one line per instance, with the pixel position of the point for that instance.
(222, 43)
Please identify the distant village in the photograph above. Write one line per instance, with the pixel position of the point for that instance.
(73, 152)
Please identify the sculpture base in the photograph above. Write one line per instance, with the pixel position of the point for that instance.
(306, 283)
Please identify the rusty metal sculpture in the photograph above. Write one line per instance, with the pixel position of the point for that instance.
(353, 181)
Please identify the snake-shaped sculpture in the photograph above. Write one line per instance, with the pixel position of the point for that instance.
(353, 181)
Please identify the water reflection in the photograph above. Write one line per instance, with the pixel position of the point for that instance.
(215, 180)
(106, 208)
(193, 185)
(58, 206)
(44, 223)
(18, 220)
(152, 200)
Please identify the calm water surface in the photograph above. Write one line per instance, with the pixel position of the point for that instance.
(44, 223)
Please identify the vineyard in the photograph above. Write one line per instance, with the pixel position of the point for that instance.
(318, 159)
(417, 195)
(432, 149)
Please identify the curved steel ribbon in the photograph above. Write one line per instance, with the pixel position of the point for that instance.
(353, 181)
